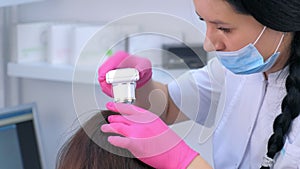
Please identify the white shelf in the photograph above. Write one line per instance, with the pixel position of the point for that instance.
(45, 71)
(65, 73)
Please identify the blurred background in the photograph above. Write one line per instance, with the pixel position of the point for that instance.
(39, 48)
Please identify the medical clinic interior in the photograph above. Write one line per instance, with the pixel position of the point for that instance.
(50, 54)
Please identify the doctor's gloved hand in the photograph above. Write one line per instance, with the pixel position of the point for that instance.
(147, 137)
(124, 60)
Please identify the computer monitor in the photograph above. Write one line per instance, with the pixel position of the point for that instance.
(20, 147)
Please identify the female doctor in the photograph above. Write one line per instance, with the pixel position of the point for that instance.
(255, 76)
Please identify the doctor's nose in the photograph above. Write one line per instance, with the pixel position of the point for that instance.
(213, 44)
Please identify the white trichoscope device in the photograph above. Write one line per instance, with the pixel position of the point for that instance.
(123, 84)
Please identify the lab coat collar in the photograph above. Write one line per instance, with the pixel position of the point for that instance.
(278, 78)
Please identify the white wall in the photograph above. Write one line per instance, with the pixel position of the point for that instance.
(54, 99)
(101, 10)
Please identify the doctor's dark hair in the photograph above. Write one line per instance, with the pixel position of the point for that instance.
(88, 149)
(284, 16)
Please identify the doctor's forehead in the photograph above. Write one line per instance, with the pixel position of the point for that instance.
(211, 10)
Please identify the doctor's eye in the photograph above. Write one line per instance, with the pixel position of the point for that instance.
(225, 30)
(199, 17)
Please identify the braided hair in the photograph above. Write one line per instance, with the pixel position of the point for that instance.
(284, 16)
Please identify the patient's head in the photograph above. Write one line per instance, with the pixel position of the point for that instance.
(89, 149)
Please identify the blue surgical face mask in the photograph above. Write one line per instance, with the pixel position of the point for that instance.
(248, 60)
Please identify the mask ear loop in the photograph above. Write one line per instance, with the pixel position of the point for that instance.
(259, 35)
(281, 39)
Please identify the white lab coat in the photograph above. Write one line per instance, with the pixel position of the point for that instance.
(239, 110)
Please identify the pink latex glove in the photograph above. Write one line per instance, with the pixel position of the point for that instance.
(147, 137)
(124, 60)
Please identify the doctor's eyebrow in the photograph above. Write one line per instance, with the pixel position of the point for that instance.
(213, 21)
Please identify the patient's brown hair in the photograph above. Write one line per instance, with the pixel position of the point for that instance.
(89, 149)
